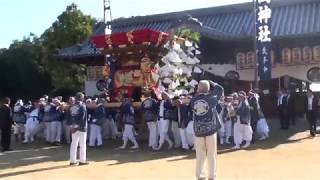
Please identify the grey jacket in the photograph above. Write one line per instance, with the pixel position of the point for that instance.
(205, 115)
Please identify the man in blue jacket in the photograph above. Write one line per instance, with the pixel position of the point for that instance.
(78, 114)
(206, 125)
(149, 109)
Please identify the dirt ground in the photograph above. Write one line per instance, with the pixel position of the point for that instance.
(286, 155)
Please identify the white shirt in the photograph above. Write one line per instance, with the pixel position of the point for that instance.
(310, 99)
(280, 100)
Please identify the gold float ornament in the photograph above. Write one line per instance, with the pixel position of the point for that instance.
(108, 41)
(130, 37)
(160, 37)
(145, 67)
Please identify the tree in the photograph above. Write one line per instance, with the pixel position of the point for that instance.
(71, 27)
(21, 71)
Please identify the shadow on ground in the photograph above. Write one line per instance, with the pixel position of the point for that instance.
(30, 154)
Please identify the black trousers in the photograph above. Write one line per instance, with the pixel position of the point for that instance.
(5, 138)
(284, 119)
(312, 122)
(292, 117)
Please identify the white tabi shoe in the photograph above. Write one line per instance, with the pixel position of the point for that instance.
(236, 147)
(134, 147)
(122, 147)
(246, 145)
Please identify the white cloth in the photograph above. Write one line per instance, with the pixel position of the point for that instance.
(78, 139)
(55, 131)
(153, 134)
(262, 127)
(242, 132)
(95, 135)
(176, 134)
(206, 149)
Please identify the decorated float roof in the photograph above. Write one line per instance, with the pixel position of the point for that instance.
(290, 18)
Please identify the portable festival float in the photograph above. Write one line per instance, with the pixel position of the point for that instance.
(136, 61)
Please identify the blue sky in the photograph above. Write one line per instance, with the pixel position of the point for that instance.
(20, 17)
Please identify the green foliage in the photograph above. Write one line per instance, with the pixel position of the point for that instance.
(189, 35)
(21, 70)
(28, 68)
(71, 27)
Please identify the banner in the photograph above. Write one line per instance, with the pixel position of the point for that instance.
(263, 38)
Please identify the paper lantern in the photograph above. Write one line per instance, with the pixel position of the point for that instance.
(296, 55)
(316, 53)
(286, 56)
(241, 60)
(307, 54)
(250, 59)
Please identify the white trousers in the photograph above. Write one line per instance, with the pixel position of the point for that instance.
(67, 132)
(190, 133)
(226, 130)
(176, 134)
(95, 135)
(40, 130)
(184, 138)
(19, 128)
(55, 131)
(128, 134)
(78, 139)
(30, 130)
(153, 134)
(163, 131)
(242, 132)
(206, 149)
(47, 133)
(110, 129)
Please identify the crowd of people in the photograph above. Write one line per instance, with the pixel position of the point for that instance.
(168, 120)
(196, 121)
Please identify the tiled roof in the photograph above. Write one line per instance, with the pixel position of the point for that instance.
(289, 18)
(84, 49)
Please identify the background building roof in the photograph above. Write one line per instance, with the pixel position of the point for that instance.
(289, 18)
